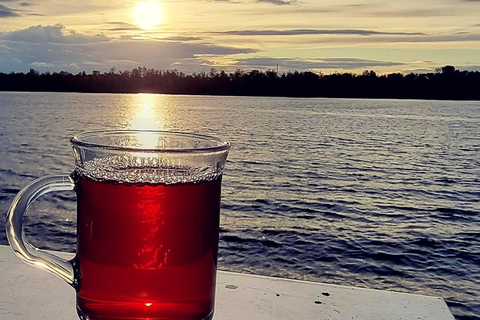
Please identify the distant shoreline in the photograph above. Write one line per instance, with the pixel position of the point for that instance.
(446, 83)
(246, 96)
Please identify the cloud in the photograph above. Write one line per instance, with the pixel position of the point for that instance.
(469, 68)
(41, 64)
(355, 63)
(73, 66)
(6, 12)
(129, 31)
(466, 37)
(421, 12)
(304, 64)
(52, 48)
(48, 34)
(278, 2)
(132, 28)
(180, 38)
(293, 32)
(123, 26)
(360, 36)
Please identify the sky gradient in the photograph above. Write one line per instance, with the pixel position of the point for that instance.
(193, 36)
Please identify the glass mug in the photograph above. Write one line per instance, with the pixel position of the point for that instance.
(148, 205)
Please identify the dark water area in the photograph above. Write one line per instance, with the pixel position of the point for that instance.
(382, 194)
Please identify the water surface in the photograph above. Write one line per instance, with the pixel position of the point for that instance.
(380, 194)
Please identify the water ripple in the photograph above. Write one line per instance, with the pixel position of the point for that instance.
(374, 193)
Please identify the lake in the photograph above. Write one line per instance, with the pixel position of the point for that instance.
(382, 194)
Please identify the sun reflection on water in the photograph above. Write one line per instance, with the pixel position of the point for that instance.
(148, 114)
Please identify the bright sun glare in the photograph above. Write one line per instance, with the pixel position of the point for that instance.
(148, 14)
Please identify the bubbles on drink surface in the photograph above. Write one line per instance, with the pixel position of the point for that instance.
(151, 170)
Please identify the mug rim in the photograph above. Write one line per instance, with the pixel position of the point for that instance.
(79, 141)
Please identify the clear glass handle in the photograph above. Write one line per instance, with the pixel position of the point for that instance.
(14, 226)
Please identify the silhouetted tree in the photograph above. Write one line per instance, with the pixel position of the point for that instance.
(444, 83)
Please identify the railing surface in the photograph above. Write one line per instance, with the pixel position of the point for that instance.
(27, 293)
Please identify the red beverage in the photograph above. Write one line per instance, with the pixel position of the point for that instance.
(147, 251)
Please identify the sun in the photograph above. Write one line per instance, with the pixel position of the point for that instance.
(148, 14)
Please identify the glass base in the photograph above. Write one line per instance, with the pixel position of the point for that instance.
(82, 316)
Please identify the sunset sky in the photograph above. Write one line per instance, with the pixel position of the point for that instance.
(192, 36)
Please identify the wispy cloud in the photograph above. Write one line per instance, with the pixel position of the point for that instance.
(469, 67)
(122, 26)
(360, 36)
(41, 64)
(293, 32)
(181, 39)
(132, 28)
(464, 37)
(408, 13)
(314, 64)
(6, 12)
(275, 2)
(278, 2)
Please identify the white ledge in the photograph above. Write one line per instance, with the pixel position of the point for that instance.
(27, 293)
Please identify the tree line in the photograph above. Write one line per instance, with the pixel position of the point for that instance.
(445, 83)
